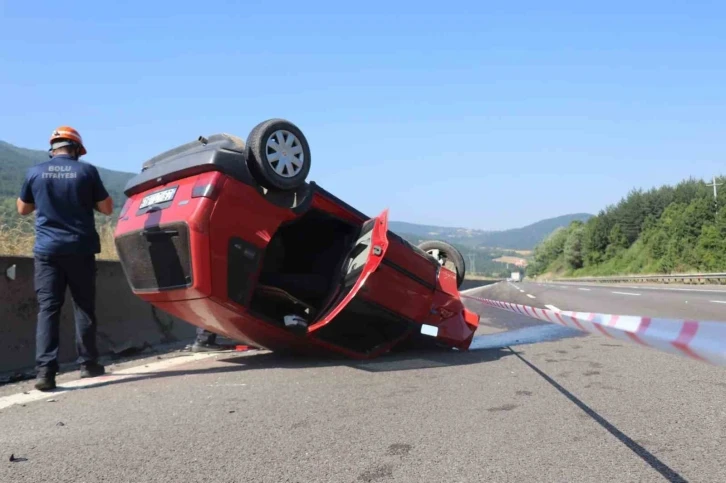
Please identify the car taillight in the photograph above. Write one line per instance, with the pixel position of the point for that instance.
(208, 185)
(125, 208)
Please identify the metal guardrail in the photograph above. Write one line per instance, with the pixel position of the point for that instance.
(684, 278)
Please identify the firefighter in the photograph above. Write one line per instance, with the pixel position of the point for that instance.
(63, 192)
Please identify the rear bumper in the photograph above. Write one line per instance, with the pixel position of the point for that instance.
(222, 153)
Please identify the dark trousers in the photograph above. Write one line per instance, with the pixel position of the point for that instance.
(205, 337)
(53, 274)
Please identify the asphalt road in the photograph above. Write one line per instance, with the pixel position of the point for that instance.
(566, 407)
(677, 302)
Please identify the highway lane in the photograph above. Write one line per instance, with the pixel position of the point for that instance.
(573, 407)
(667, 302)
(671, 287)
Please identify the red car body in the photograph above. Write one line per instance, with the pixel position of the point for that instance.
(216, 249)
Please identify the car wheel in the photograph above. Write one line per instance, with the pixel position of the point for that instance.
(278, 154)
(448, 256)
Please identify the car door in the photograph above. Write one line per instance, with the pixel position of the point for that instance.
(364, 258)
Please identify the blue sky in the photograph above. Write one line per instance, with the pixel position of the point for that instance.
(472, 114)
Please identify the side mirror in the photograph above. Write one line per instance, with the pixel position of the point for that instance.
(11, 272)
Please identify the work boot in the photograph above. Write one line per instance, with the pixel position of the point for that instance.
(45, 381)
(92, 369)
(206, 347)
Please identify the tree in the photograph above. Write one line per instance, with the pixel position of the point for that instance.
(720, 222)
(668, 229)
(596, 238)
(548, 251)
(710, 249)
(616, 241)
(630, 214)
(656, 243)
(573, 249)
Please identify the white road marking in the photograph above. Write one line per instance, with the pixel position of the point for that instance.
(469, 290)
(521, 290)
(585, 289)
(553, 308)
(531, 296)
(138, 372)
(718, 301)
(626, 293)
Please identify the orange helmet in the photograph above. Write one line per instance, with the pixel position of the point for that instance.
(66, 136)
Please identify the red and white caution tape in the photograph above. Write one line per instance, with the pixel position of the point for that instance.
(703, 341)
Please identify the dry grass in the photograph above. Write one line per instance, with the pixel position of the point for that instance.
(17, 237)
(16, 240)
(108, 247)
(524, 253)
(512, 260)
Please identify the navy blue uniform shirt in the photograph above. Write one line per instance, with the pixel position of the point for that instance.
(64, 192)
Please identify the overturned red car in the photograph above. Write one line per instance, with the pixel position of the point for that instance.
(229, 236)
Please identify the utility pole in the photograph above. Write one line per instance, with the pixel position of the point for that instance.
(715, 190)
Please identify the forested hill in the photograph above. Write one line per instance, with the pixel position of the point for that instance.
(524, 238)
(672, 229)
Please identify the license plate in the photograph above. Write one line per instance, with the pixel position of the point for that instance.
(157, 198)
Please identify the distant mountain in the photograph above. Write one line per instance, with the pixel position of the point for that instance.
(15, 161)
(525, 238)
(460, 236)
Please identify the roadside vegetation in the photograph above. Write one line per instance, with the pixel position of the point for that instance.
(672, 229)
(17, 237)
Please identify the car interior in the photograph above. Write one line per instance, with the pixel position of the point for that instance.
(305, 264)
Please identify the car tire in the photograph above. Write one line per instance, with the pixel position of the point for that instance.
(278, 155)
(446, 255)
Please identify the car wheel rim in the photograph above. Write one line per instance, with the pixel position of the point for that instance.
(285, 154)
(438, 255)
(442, 259)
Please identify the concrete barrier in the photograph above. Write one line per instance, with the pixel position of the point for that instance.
(124, 320)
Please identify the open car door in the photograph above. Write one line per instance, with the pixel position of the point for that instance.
(345, 323)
